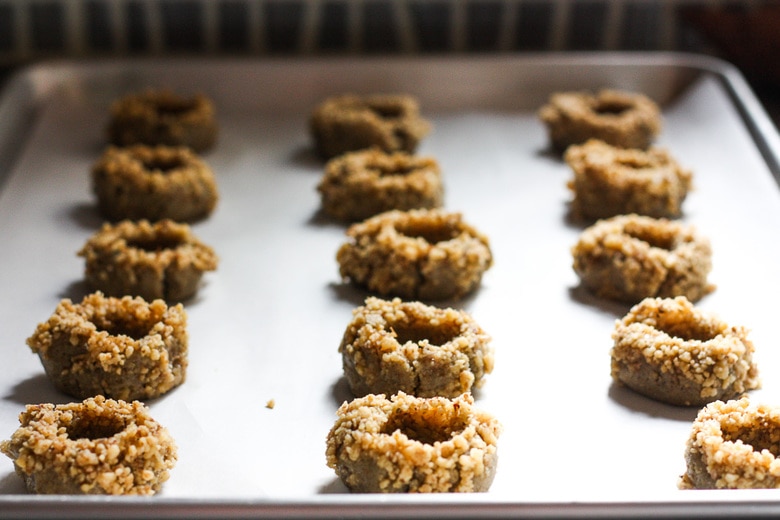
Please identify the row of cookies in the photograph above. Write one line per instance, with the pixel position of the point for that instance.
(128, 340)
(412, 426)
(664, 348)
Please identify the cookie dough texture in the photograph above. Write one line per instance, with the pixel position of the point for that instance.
(96, 447)
(619, 118)
(163, 117)
(163, 260)
(346, 123)
(733, 445)
(416, 255)
(358, 185)
(631, 257)
(408, 444)
(153, 183)
(670, 351)
(611, 181)
(123, 348)
(392, 346)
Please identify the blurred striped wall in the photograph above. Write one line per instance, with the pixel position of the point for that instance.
(33, 29)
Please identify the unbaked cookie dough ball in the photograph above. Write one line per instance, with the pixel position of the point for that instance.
(624, 119)
(358, 185)
(389, 122)
(154, 183)
(734, 445)
(96, 447)
(611, 181)
(395, 346)
(123, 348)
(163, 117)
(416, 255)
(406, 444)
(151, 260)
(631, 257)
(670, 351)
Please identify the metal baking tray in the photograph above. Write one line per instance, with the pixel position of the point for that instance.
(266, 325)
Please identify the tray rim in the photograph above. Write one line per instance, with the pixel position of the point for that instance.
(706, 504)
(29, 86)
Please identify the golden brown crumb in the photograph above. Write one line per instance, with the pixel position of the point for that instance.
(734, 445)
(98, 446)
(270, 404)
(670, 351)
(415, 445)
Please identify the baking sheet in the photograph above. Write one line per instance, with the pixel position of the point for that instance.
(266, 325)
